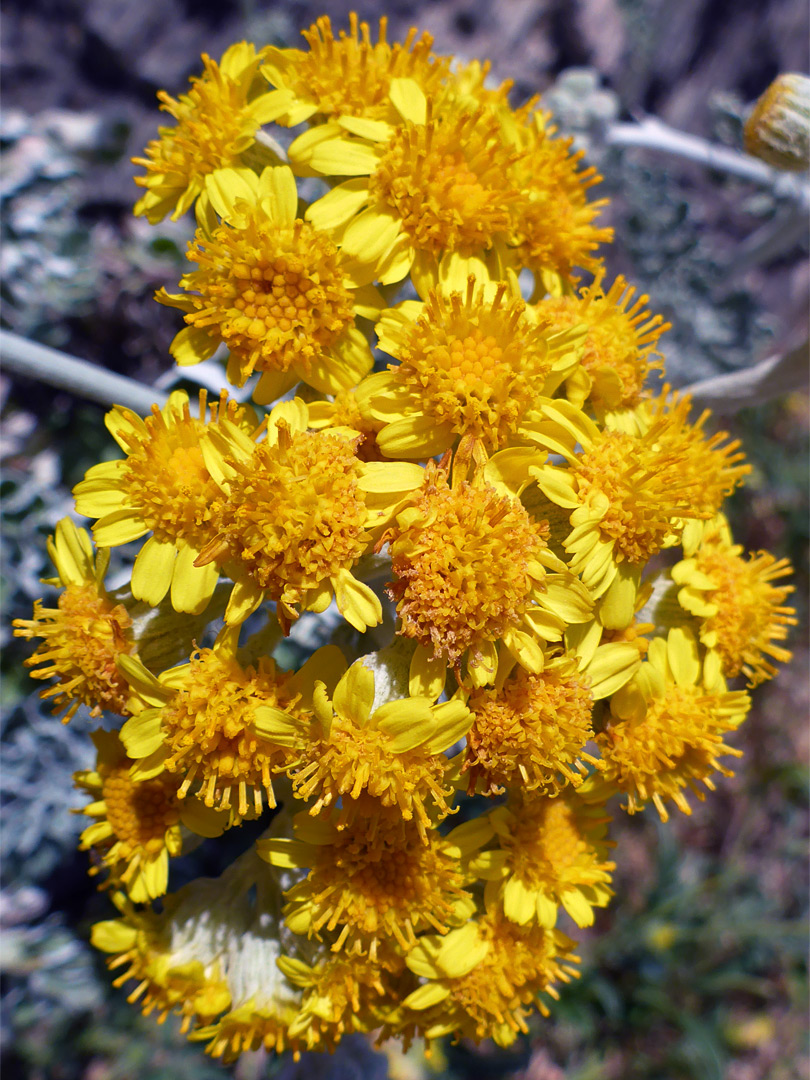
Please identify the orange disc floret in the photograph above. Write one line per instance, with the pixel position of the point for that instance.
(531, 731)
(294, 515)
(274, 294)
(465, 564)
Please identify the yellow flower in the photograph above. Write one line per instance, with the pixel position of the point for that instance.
(175, 957)
(342, 416)
(360, 744)
(530, 729)
(435, 182)
(472, 362)
(273, 289)
(162, 486)
(295, 515)
(470, 567)
(199, 720)
(484, 978)
(554, 223)
(341, 994)
(741, 612)
(666, 727)
(217, 121)
(84, 635)
(378, 882)
(619, 349)
(552, 852)
(629, 494)
(349, 75)
(138, 821)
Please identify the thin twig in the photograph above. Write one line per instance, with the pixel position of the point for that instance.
(23, 357)
(652, 134)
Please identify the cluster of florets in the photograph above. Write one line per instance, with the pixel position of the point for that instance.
(485, 505)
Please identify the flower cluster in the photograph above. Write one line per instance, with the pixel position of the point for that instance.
(541, 603)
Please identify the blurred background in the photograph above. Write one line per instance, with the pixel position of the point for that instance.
(698, 969)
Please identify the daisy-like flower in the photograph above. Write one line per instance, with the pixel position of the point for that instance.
(342, 994)
(217, 122)
(84, 635)
(341, 415)
(531, 729)
(472, 567)
(377, 882)
(741, 611)
(176, 956)
(666, 727)
(483, 979)
(295, 515)
(629, 494)
(137, 826)
(274, 289)
(434, 184)
(162, 486)
(198, 720)
(348, 75)
(471, 362)
(618, 350)
(552, 852)
(359, 747)
(555, 228)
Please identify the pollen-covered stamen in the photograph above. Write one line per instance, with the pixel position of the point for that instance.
(273, 293)
(209, 736)
(447, 180)
(473, 363)
(82, 638)
(294, 515)
(531, 732)
(465, 565)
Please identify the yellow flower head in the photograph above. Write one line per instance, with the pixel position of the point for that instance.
(667, 726)
(342, 415)
(484, 978)
(531, 730)
(137, 826)
(619, 349)
(552, 852)
(295, 515)
(175, 957)
(347, 76)
(273, 289)
(470, 567)
(630, 493)
(472, 362)
(342, 994)
(436, 183)
(199, 721)
(554, 230)
(217, 121)
(377, 882)
(84, 635)
(361, 747)
(162, 486)
(741, 611)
